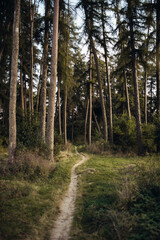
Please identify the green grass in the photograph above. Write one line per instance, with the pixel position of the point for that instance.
(118, 198)
(30, 194)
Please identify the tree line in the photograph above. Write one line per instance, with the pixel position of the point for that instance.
(51, 93)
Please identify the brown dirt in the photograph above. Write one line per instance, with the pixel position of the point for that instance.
(63, 223)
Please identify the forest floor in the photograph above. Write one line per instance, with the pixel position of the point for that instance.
(118, 198)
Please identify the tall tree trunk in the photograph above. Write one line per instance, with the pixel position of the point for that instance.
(59, 106)
(108, 77)
(145, 95)
(13, 83)
(72, 125)
(86, 120)
(135, 83)
(95, 118)
(32, 9)
(21, 79)
(90, 102)
(39, 86)
(127, 94)
(65, 115)
(44, 77)
(158, 53)
(105, 130)
(52, 94)
(25, 92)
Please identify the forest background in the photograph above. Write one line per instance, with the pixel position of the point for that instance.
(109, 95)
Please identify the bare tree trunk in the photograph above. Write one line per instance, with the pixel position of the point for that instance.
(90, 102)
(25, 92)
(44, 77)
(145, 95)
(86, 120)
(21, 80)
(39, 85)
(105, 130)
(59, 106)
(32, 9)
(158, 54)
(72, 125)
(52, 94)
(127, 95)
(65, 115)
(108, 78)
(13, 83)
(98, 127)
(136, 89)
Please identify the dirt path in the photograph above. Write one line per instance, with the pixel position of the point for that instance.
(63, 223)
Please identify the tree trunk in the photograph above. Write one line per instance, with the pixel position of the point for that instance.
(90, 103)
(105, 130)
(72, 126)
(52, 94)
(65, 116)
(44, 76)
(32, 8)
(136, 89)
(145, 95)
(158, 53)
(59, 106)
(39, 86)
(86, 120)
(127, 94)
(98, 127)
(108, 78)
(13, 83)
(21, 80)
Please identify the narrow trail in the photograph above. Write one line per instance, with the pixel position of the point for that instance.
(63, 223)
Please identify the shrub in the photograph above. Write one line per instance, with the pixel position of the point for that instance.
(149, 137)
(125, 133)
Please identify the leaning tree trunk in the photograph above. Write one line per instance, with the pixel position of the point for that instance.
(52, 94)
(13, 83)
(108, 77)
(45, 67)
(136, 89)
(105, 130)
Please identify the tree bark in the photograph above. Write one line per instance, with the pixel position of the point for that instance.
(13, 83)
(59, 107)
(52, 94)
(145, 95)
(65, 116)
(135, 83)
(21, 80)
(108, 77)
(32, 9)
(90, 102)
(158, 53)
(95, 118)
(45, 67)
(39, 86)
(86, 120)
(127, 94)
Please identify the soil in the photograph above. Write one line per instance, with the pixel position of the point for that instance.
(63, 223)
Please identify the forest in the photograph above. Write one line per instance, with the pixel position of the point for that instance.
(80, 75)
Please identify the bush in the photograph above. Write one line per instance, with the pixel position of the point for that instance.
(125, 133)
(149, 137)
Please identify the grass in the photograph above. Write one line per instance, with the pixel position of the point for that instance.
(30, 193)
(118, 198)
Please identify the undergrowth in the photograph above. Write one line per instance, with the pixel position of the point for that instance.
(118, 199)
(30, 192)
